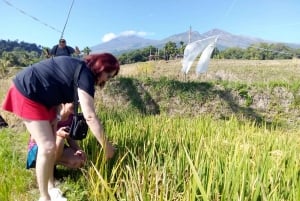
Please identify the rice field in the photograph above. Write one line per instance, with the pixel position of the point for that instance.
(163, 158)
(176, 158)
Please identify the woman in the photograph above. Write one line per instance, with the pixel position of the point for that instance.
(38, 90)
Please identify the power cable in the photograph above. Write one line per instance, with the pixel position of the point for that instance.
(34, 18)
(62, 33)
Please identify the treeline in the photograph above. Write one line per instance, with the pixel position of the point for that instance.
(260, 51)
(9, 46)
(15, 53)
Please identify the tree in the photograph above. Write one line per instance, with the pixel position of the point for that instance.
(86, 50)
(170, 49)
(3, 66)
(296, 53)
(232, 53)
(182, 47)
(9, 58)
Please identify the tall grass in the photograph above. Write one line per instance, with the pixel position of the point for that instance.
(174, 158)
(170, 158)
(16, 183)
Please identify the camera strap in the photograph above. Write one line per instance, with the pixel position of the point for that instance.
(76, 75)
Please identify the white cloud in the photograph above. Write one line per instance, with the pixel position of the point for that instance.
(133, 33)
(109, 36)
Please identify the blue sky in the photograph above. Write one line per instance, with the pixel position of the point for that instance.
(92, 22)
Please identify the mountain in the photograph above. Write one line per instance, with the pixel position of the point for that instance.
(124, 43)
(226, 40)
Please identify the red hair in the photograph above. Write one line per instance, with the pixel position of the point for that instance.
(104, 62)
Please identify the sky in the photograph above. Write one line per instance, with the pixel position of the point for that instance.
(92, 22)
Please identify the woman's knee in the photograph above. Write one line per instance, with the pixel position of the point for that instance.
(48, 148)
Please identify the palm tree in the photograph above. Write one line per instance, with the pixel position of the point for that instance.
(86, 50)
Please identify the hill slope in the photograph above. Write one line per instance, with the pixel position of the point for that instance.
(263, 91)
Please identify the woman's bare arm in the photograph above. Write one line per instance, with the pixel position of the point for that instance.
(89, 113)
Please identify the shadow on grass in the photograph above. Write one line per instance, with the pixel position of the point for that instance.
(141, 99)
(138, 96)
(61, 172)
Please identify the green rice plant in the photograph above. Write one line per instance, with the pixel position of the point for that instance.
(176, 158)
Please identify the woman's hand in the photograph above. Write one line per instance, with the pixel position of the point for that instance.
(109, 150)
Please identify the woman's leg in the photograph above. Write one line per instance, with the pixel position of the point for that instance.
(42, 132)
(51, 176)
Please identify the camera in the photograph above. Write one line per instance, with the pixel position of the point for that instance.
(67, 129)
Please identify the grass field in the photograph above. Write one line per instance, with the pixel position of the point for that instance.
(174, 157)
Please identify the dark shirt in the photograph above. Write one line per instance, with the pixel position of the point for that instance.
(67, 122)
(59, 51)
(50, 82)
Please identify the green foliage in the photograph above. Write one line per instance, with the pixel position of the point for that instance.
(133, 57)
(179, 158)
(15, 179)
(186, 90)
(171, 49)
(9, 46)
(86, 50)
(243, 91)
(141, 55)
(260, 51)
(213, 160)
(13, 53)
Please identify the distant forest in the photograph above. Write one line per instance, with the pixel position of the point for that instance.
(9, 46)
(16, 54)
(171, 50)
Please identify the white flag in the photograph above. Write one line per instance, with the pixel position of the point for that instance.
(205, 58)
(192, 50)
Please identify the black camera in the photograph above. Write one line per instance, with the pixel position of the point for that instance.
(79, 127)
(67, 129)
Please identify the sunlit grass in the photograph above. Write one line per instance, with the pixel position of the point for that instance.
(16, 183)
(163, 158)
(173, 158)
(180, 158)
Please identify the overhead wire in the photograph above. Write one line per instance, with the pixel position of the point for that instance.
(34, 18)
(62, 33)
(40, 21)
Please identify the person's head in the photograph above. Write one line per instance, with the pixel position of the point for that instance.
(104, 66)
(62, 42)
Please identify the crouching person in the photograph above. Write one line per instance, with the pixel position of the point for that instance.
(68, 152)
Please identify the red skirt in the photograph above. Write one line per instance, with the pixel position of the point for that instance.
(25, 108)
